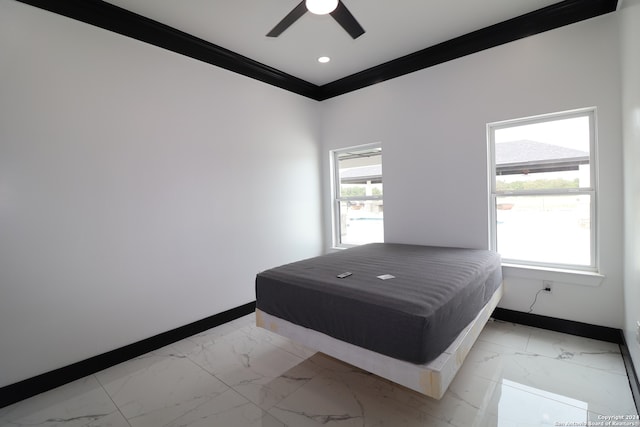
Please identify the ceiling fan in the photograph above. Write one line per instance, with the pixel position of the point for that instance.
(335, 8)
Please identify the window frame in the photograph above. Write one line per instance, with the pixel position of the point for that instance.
(591, 191)
(336, 199)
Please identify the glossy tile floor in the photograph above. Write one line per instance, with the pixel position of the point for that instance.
(240, 375)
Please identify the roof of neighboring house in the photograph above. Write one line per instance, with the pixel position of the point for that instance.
(534, 151)
(527, 155)
(361, 174)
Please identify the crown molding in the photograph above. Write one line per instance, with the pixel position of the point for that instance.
(113, 18)
(541, 20)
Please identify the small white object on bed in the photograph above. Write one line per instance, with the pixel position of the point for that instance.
(431, 379)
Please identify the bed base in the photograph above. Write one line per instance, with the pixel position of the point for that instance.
(431, 379)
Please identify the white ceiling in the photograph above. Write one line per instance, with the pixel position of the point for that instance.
(394, 28)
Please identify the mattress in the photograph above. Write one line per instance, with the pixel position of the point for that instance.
(408, 302)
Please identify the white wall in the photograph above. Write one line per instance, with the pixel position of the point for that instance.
(140, 190)
(432, 125)
(630, 38)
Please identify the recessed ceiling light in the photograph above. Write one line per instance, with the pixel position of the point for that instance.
(324, 59)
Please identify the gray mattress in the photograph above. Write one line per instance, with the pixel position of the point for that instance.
(414, 316)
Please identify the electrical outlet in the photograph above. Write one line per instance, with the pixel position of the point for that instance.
(547, 285)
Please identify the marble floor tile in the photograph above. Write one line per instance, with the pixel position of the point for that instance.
(338, 399)
(241, 375)
(155, 389)
(515, 405)
(462, 404)
(228, 409)
(80, 403)
(583, 351)
(248, 362)
(506, 334)
(605, 392)
(348, 396)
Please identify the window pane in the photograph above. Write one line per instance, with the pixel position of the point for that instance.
(360, 173)
(578, 178)
(367, 188)
(545, 229)
(361, 222)
(545, 155)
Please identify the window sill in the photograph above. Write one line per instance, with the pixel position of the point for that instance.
(574, 277)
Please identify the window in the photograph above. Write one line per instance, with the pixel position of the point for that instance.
(543, 190)
(357, 195)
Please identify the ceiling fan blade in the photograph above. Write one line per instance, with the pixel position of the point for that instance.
(286, 22)
(347, 21)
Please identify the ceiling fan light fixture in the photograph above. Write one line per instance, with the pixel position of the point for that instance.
(321, 7)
